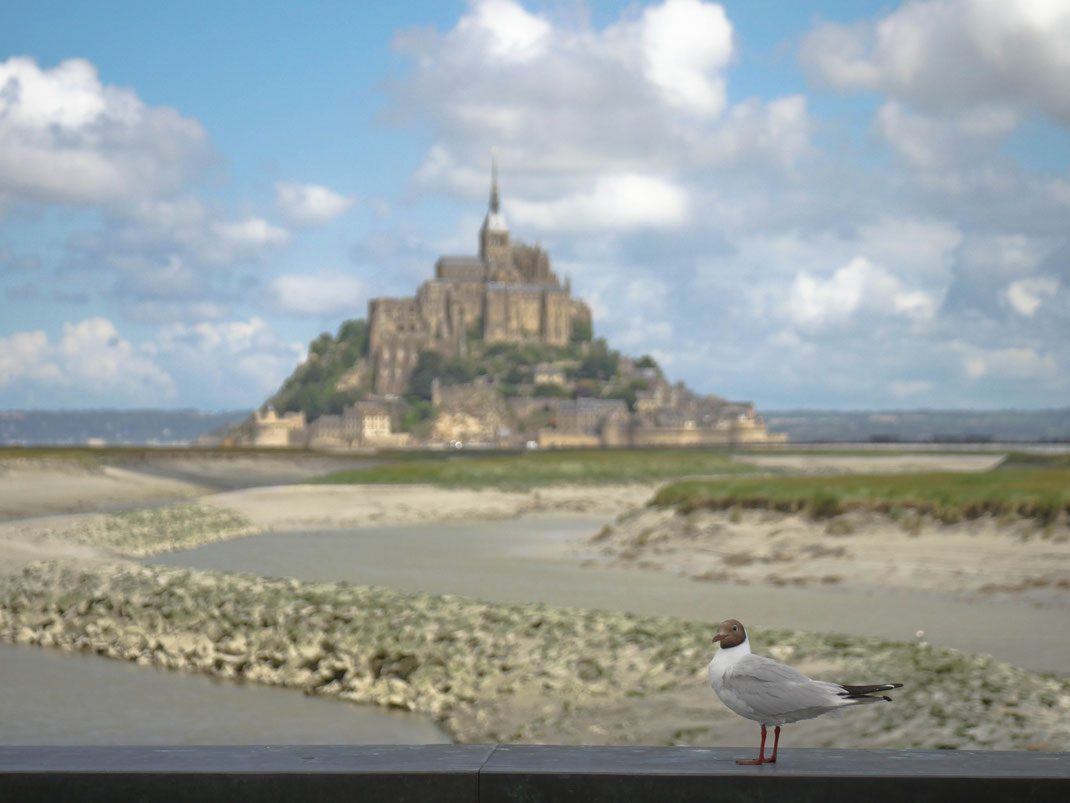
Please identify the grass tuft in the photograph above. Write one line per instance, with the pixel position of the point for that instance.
(950, 497)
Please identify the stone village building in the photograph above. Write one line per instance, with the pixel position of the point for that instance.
(361, 425)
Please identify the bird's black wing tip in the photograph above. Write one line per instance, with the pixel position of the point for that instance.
(861, 691)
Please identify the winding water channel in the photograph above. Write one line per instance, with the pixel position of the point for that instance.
(519, 561)
(51, 697)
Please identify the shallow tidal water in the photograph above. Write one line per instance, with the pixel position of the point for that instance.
(51, 697)
(520, 560)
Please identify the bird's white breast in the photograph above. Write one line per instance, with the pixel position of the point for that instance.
(720, 667)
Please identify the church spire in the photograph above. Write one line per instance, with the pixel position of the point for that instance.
(494, 205)
(494, 235)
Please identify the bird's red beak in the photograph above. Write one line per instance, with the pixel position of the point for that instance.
(718, 637)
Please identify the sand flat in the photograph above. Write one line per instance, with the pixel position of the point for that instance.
(40, 488)
(334, 506)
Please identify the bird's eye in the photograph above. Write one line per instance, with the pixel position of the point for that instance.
(734, 627)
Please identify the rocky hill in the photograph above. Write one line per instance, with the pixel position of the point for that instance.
(492, 393)
(336, 374)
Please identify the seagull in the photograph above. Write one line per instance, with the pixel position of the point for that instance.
(772, 693)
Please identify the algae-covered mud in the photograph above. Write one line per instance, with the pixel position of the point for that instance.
(506, 672)
(147, 531)
(130, 533)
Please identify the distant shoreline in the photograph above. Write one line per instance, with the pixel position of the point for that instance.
(996, 428)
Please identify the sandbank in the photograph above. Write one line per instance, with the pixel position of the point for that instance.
(39, 488)
(862, 551)
(873, 463)
(337, 506)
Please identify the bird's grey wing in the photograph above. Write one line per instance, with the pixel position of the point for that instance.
(773, 688)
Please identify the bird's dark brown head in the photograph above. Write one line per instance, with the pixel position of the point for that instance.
(730, 633)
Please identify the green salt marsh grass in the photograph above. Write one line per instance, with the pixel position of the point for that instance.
(529, 469)
(1035, 460)
(1040, 493)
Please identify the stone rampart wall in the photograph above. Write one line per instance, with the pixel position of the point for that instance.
(556, 439)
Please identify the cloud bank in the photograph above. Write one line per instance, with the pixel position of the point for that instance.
(886, 227)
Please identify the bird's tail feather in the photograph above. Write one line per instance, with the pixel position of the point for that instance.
(861, 693)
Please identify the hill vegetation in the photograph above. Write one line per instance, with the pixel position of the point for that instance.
(316, 386)
(511, 366)
(313, 386)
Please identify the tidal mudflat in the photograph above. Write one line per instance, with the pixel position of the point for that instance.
(576, 671)
(508, 672)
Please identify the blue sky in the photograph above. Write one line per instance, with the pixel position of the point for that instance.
(838, 205)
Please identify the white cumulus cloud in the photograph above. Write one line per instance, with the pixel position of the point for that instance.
(309, 204)
(954, 54)
(933, 141)
(242, 362)
(1026, 295)
(89, 362)
(644, 93)
(1010, 363)
(905, 388)
(815, 303)
(686, 44)
(212, 364)
(505, 29)
(318, 294)
(251, 235)
(66, 138)
(615, 203)
(27, 356)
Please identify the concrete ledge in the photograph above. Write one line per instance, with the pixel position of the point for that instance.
(523, 773)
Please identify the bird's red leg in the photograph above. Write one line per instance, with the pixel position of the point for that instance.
(761, 753)
(776, 741)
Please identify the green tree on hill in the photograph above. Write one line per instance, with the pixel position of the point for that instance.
(429, 366)
(600, 362)
(313, 386)
(549, 390)
(581, 331)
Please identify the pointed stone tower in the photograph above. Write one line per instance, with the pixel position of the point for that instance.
(494, 248)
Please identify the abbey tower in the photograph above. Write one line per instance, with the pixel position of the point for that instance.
(494, 233)
(506, 294)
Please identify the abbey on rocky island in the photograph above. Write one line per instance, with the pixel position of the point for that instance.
(508, 293)
(574, 393)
